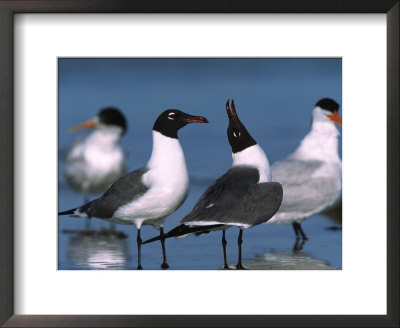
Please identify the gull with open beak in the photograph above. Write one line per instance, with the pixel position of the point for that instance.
(243, 197)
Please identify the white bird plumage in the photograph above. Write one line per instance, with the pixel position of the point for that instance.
(95, 162)
(168, 182)
(311, 176)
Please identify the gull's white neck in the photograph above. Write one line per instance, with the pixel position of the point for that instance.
(321, 143)
(253, 156)
(167, 153)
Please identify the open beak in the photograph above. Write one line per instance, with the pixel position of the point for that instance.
(91, 124)
(232, 113)
(335, 117)
(196, 119)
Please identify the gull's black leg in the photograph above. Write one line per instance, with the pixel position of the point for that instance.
(302, 233)
(139, 244)
(224, 249)
(296, 227)
(164, 265)
(240, 241)
(296, 246)
(299, 231)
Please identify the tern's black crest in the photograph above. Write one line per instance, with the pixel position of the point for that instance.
(171, 120)
(239, 138)
(328, 104)
(112, 116)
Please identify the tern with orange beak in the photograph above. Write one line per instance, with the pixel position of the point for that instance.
(93, 163)
(311, 176)
(148, 195)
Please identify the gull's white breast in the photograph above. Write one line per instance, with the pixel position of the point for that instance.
(167, 180)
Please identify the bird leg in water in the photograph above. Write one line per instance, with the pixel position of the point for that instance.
(240, 241)
(299, 231)
(302, 233)
(298, 246)
(164, 265)
(139, 244)
(224, 249)
(296, 230)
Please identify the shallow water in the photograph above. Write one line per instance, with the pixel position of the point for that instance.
(274, 99)
(265, 247)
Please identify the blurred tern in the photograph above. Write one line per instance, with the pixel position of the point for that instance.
(311, 176)
(242, 197)
(94, 163)
(148, 195)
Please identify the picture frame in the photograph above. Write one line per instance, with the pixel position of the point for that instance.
(8, 8)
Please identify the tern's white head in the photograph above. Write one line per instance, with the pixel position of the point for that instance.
(321, 143)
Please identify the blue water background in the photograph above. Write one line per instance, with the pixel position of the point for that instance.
(274, 99)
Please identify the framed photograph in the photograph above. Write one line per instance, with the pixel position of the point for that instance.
(65, 62)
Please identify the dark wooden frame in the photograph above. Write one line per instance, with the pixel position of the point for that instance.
(9, 7)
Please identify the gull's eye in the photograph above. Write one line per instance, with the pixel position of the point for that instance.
(236, 133)
(171, 116)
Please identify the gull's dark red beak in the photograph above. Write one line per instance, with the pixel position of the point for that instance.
(195, 119)
(232, 113)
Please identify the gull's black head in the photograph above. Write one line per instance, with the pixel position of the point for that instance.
(238, 137)
(171, 120)
(328, 104)
(111, 116)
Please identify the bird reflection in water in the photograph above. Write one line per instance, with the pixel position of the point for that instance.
(98, 252)
(287, 260)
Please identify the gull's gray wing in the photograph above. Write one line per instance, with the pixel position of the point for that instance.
(304, 193)
(237, 199)
(123, 191)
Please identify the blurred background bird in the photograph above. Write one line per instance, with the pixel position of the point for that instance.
(311, 176)
(96, 161)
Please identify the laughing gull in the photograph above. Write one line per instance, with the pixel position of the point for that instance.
(311, 176)
(93, 163)
(148, 195)
(242, 197)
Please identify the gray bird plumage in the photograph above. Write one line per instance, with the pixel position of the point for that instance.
(123, 191)
(237, 199)
(304, 193)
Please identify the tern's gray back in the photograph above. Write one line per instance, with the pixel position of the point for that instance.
(303, 192)
(123, 191)
(292, 171)
(236, 197)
